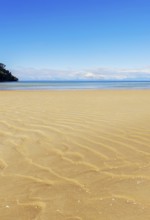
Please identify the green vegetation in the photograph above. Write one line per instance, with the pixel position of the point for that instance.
(5, 75)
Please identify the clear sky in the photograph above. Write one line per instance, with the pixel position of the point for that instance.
(76, 39)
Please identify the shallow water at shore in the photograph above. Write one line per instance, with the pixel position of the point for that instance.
(65, 85)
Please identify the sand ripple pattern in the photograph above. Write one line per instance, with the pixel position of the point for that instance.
(75, 155)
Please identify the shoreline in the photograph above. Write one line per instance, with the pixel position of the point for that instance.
(76, 85)
(74, 90)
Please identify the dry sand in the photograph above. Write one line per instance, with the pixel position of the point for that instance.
(75, 155)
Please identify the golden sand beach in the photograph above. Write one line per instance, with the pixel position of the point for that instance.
(75, 155)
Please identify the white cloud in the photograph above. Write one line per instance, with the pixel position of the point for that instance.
(84, 74)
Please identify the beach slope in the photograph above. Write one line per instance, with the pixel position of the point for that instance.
(75, 155)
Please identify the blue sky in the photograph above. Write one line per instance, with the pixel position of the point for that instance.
(76, 39)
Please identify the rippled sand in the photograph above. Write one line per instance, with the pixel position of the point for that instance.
(75, 155)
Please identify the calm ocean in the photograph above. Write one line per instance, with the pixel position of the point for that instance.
(75, 85)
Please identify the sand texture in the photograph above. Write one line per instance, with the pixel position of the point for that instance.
(75, 155)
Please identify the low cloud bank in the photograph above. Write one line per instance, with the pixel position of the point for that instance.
(85, 74)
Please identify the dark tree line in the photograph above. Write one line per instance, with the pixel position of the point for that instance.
(5, 75)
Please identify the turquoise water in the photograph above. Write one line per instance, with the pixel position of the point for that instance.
(75, 85)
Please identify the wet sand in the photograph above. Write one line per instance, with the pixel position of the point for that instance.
(75, 155)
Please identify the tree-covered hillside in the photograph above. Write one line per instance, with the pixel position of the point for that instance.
(5, 75)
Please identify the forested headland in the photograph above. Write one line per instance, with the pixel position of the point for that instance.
(6, 75)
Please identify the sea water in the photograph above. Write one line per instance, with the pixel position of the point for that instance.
(75, 85)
